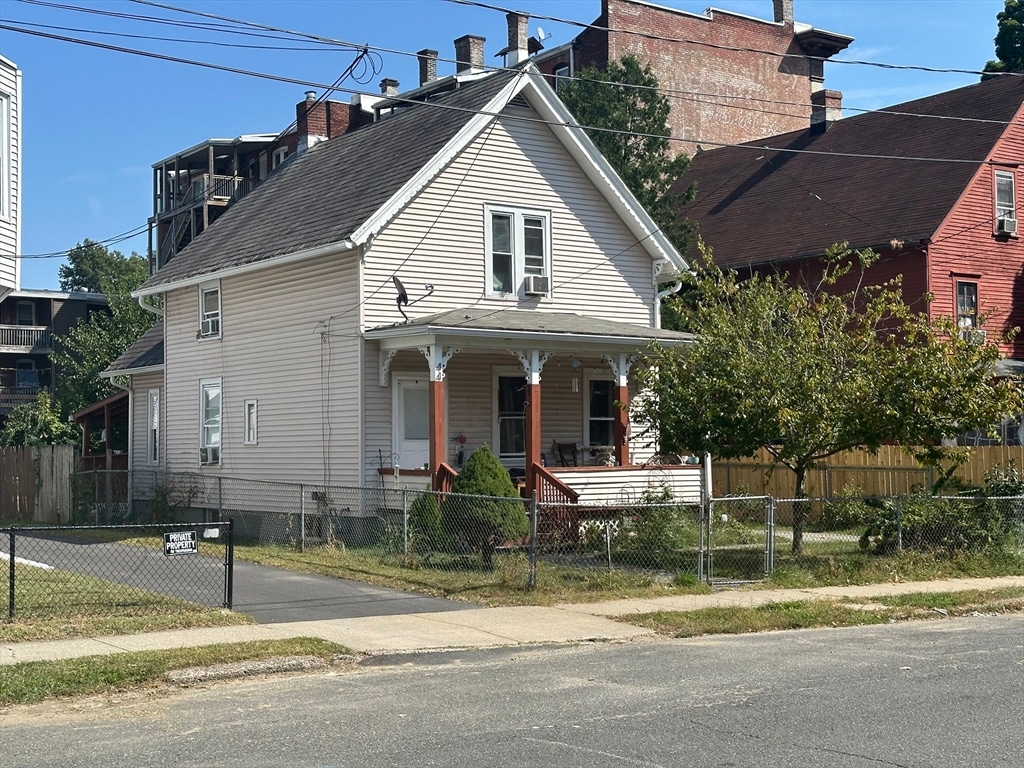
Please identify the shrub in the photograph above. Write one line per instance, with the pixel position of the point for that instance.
(658, 533)
(425, 530)
(930, 524)
(484, 509)
(849, 510)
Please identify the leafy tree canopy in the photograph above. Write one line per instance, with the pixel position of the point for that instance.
(92, 267)
(806, 372)
(626, 117)
(1009, 39)
(91, 345)
(36, 423)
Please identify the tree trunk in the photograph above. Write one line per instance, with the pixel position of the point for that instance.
(801, 509)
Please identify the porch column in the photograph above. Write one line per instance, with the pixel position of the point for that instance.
(532, 362)
(620, 365)
(437, 358)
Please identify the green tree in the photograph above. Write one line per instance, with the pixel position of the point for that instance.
(36, 423)
(806, 372)
(626, 117)
(484, 510)
(91, 345)
(92, 267)
(1009, 39)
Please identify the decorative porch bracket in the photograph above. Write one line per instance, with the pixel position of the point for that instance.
(437, 358)
(385, 358)
(620, 365)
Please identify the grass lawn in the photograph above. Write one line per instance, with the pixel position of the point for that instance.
(801, 614)
(37, 681)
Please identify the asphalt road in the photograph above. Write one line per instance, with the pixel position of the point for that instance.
(270, 595)
(935, 694)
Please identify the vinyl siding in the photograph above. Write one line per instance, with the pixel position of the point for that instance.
(280, 346)
(144, 473)
(10, 175)
(597, 268)
(965, 247)
(626, 486)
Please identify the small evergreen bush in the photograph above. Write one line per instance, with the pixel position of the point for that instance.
(425, 530)
(484, 509)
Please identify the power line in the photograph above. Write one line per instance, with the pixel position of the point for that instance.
(718, 46)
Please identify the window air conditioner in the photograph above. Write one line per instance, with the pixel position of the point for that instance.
(209, 326)
(210, 455)
(974, 336)
(537, 285)
(1006, 226)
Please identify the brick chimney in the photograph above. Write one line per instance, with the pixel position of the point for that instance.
(389, 87)
(428, 65)
(826, 108)
(783, 12)
(469, 54)
(319, 121)
(517, 34)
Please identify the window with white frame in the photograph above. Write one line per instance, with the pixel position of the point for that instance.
(1006, 208)
(510, 392)
(153, 422)
(966, 304)
(518, 251)
(209, 310)
(251, 430)
(209, 421)
(600, 413)
(26, 313)
(561, 73)
(280, 154)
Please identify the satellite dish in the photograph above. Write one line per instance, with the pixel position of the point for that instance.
(541, 35)
(402, 298)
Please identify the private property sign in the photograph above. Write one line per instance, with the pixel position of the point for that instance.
(181, 543)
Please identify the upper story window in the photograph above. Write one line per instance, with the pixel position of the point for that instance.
(279, 156)
(518, 246)
(1006, 208)
(26, 313)
(209, 311)
(561, 73)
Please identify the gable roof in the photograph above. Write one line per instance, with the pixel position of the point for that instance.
(339, 194)
(853, 181)
(146, 352)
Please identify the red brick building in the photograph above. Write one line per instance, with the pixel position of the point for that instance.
(929, 184)
(731, 78)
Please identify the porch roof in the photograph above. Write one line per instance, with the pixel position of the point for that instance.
(146, 352)
(488, 327)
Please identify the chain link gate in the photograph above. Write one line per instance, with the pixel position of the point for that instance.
(738, 539)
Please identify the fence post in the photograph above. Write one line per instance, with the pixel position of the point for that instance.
(770, 565)
(608, 541)
(220, 498)
(534, 512)
(302, 519)
(405, 529)
(10, 596)
(229, 565)
(899, 524)
(705, 515)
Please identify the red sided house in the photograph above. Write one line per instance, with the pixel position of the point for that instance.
(931, 185)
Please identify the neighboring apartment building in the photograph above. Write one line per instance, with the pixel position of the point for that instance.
(730, 78)
(30, 321)
(10, 175)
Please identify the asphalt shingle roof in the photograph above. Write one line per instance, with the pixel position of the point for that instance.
(757, 205)
(147, 351)
(326, 193)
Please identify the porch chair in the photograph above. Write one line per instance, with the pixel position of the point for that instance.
(567, 453)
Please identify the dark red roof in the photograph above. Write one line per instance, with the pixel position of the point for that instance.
(757, 205)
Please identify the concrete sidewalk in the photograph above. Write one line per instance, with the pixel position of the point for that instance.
(487, 627)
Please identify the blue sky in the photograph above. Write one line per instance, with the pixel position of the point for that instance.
(94, 121)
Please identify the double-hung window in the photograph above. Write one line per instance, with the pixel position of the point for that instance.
(966, 304)
(251, 413)
(600, 411)
(518, 245)
(26, 313)
(1006, 208)
(209, 421)
(209, 311)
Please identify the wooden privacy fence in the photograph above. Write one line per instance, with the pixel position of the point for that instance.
(889, 472)
(35, 483)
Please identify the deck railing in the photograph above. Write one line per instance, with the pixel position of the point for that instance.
(444, 478)
(561, 520)
(27, 338)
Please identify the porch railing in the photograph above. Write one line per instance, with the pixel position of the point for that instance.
(27, 338)
(561, 521)
(444, 478)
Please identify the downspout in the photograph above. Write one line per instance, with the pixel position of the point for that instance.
(158, 311)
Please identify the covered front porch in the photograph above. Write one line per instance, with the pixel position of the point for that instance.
(548, 392)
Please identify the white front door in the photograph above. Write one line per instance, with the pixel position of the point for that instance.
(411, 424)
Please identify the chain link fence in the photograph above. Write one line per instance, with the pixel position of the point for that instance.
(115, 570)
(476, 539)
